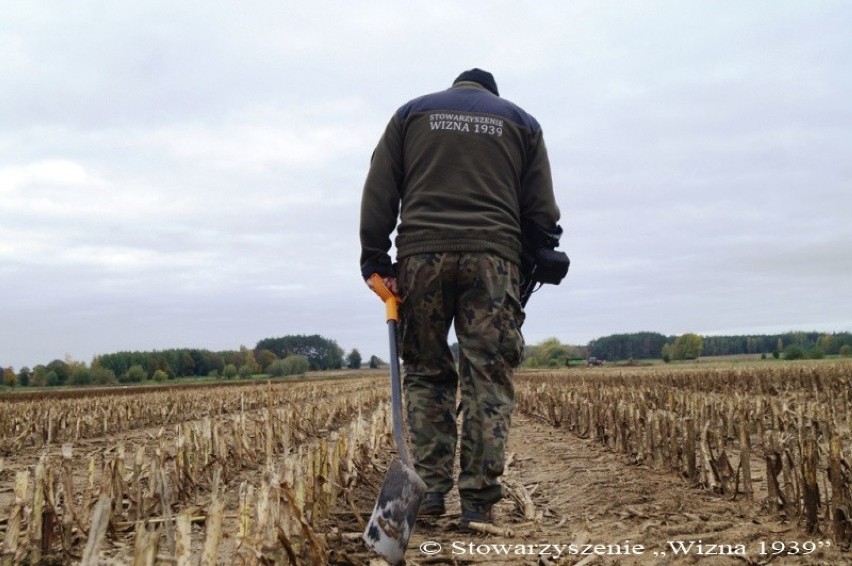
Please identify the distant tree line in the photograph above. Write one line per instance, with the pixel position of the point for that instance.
(295, 354)
(829, 344)
(176, 363)
(638, 345)
(288, 355)
(653, 345)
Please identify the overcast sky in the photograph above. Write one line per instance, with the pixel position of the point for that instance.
(188, 174)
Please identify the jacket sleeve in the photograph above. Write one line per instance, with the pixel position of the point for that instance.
(537, 201)
(380, 201)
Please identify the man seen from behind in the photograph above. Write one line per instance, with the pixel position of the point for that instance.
(461, 170)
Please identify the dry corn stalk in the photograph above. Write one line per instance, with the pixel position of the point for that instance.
(183, 539)
(97, 531)
(145, 545)
(13, 527)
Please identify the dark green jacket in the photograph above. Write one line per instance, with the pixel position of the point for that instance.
(460, 168)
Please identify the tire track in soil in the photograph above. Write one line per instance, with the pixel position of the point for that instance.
(585, 494)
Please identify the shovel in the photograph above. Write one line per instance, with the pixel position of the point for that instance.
(393, 517)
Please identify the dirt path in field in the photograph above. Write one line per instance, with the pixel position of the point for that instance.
(611, 511)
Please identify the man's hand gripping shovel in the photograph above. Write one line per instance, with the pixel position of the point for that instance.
(392, 521)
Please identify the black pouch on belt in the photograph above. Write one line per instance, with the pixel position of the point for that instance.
(551, 266)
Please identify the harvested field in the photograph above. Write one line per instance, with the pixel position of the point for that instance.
(608, 466)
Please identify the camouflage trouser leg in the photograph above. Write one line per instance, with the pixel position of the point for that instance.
(479, 292)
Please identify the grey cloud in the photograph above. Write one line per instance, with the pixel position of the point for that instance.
(170, 177)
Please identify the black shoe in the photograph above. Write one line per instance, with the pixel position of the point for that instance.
(475, 515)
(432, 505)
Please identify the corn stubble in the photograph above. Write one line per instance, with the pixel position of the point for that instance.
(253, 474)
(182, 491)
(776, 435)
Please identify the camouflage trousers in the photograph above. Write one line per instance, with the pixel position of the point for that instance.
(478, 293)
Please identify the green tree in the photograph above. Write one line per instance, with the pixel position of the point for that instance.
(60, 368)
(102, 376)
(552, 350)
(51, 378)
(291, 365)
(80, 375)
(230, 371)
(265, 358)
(24, 376)
(187, 364)
(135, 374)
(353, 360)
(846, 350)
(277, 369)
(798, 339)
(826, 343)
(249, 361)
(794, 352)
(687, 347)
(10, 378)
(160, 376)
(39, 376)
(549, 353)
(320, 352)
(296, 364)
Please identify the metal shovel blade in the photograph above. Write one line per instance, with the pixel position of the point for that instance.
(392, 521)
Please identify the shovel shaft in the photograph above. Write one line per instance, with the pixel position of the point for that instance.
(396, 396)
(391, 303)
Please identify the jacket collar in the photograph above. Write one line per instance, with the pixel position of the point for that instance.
(471, 84)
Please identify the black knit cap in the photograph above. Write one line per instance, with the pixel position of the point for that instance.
(481, 77)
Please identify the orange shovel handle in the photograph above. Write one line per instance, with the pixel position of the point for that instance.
(391, 301)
